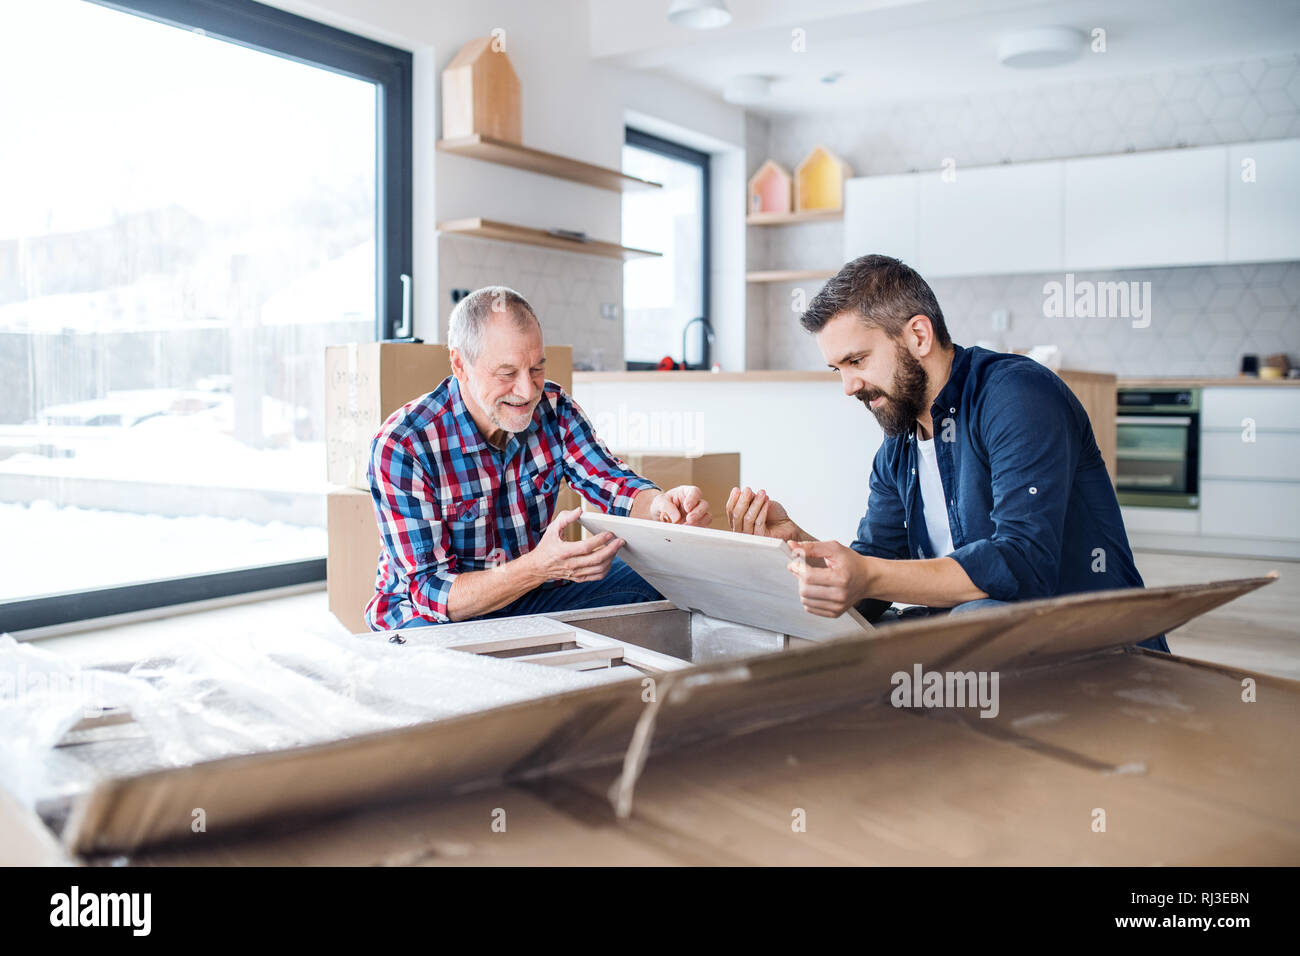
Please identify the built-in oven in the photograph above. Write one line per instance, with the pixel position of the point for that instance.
(1158, 447)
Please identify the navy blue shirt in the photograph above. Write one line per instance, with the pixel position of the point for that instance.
(1031, 507)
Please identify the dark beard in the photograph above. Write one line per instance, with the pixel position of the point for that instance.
(905, 401)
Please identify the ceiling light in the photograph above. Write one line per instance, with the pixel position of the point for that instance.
(747, 90)
(699, 14)
(1042, 46)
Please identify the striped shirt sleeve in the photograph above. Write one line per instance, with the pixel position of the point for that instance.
(411, 525)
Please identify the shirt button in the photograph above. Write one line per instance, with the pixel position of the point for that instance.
(1033, 491)
(952, 411)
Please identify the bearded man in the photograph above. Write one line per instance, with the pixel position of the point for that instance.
(989, 486)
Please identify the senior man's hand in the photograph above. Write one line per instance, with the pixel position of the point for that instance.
(684, 504)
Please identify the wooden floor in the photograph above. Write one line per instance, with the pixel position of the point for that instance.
(1259, 632)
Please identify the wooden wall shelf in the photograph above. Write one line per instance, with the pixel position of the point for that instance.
(507, 232)
(789, 275)
(787, 218)
(548, 164)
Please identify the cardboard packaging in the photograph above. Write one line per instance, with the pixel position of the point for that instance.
(367, 382)
(715, 475)
(1183, 765)
(352, 557)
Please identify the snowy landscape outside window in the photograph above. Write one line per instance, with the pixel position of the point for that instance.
(185, 224)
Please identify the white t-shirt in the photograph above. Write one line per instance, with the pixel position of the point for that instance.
(934, 502)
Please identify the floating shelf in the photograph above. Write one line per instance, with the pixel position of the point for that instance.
(786, 218)
(506, 232)
(789, 275)
(506, 153)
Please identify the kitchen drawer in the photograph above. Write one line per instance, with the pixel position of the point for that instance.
(1251, 509)
(1269, 407)
(1270, 455)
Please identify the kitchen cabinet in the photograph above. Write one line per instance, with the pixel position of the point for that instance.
(1173, 207)
(881, 215)
(1137, 210)
(1264, 201)
(1251, 509)
(992, 220)
(1249, 489)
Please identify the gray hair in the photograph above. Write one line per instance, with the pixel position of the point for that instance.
(470, 317)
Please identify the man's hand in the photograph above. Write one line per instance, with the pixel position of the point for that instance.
(832, 578)
(752, 512)
(684, 504)
(585, 560)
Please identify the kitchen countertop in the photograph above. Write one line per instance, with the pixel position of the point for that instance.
(1224, 381)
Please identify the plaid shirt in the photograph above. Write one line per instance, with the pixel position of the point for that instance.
(449, 502)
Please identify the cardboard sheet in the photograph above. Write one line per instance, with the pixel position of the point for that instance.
(1206, 783)
(593, 726)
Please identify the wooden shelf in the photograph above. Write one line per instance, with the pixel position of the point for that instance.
(787, 218)
(507, 232)
(789, 275)
(548, 164)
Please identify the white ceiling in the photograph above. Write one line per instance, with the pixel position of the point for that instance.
(891, 50)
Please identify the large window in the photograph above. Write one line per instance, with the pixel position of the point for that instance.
(197, 198)
(661, 295)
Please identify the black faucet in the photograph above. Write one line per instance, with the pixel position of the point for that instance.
(705, 345)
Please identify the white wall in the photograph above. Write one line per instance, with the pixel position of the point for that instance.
(570, 104)
(805, 442)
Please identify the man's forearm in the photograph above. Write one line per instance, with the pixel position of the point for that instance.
(641, 503)
(934, 582)
(476, 593)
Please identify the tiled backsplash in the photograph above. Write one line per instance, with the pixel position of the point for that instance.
(1202, 318)
(565, 289)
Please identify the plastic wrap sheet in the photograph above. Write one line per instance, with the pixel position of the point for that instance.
(243, 695)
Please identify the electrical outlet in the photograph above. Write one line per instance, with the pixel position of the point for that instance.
(609, 310)
(1001, 319)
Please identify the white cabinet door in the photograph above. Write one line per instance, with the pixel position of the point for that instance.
(1267, 407)
(880, 216)
(1251, 509)
(1164, 208)
(993, 220)
(1273, 455)
(1264, 201)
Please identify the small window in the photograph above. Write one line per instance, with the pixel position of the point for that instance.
(661, 295)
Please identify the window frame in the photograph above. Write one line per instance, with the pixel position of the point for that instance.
(674, 150)
(277, 33)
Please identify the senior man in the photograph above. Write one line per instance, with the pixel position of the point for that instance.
(465, 479)
(989, 486)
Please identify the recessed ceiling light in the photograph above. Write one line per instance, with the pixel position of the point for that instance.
(747, 90)
(1040, 47)
(699, 14)
(832, 77)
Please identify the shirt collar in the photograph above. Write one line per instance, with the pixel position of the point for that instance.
(471, 439)
(946, 402)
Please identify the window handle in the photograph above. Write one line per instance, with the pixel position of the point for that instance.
(404, 330)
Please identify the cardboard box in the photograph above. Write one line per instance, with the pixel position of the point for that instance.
(352, 558)
(714, 474)
(1185, 770)
(367, 382)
